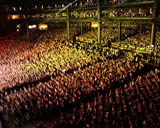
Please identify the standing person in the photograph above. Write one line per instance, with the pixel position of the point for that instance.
(74, 38)
(2, 122)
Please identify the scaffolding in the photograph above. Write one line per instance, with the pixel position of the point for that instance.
(154, 20)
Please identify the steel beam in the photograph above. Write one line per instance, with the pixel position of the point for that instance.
(99, 21)
(119, 31)
(68, 22)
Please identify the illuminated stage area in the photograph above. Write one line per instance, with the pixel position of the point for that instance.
(87, 64)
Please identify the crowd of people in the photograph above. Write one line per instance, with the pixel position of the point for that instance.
(128, 13)
(91, 36)
(35, 5)
(140, 42)
(5, 48)
(133, 41)
(40, 60)
(74, 86)
(65, 88)
(84, 14)
(109, 12)
(30, 62)
(105, 13)
(134, 104)
(52, 74)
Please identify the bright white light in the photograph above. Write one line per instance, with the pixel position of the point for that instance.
(32, 26)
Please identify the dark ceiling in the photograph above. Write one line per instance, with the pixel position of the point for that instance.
(32, 3)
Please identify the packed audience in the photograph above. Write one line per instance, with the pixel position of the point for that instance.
(128, 13)
(40, 60)
(103, 91)
(133, 41)
(68, 88)
(63, 89)
(140, 42)
(5, 48)
(135, 104)
(84, 14)
(41, 5)
(91, 36)
(93, 13)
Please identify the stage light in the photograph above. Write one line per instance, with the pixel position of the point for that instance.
(94, 25)
(14, 17)
(43, 27)
(32, 26)
(18, 27)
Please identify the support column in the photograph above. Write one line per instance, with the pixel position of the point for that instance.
(153, 32)
(68, 22)
(119, 31)
(99, 22)
(28, 35)
(81, 28)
